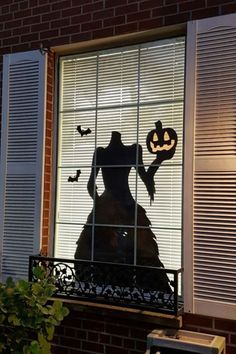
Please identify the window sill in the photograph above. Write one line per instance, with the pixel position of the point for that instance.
(159, 319)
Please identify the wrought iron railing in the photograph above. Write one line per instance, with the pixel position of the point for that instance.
(117, 284)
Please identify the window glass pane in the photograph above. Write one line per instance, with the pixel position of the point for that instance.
(78, 76)
(121, 126)
(76, 149)
(118, 78)
(161, 71)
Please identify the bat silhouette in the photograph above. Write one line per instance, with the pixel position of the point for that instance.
(83, 131)
(74, 179)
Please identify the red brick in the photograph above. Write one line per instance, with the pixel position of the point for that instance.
(72, 11)
(22, 13)
(108, 13)
(105, 338)
(4, 34)
(38, 27)
(94, 325)
(92, 337)
(129, 343)
(132, 27)
(70, 332)
(5, 50)
(7, 2)
(114, 21)
(81, 2)
(10, 41)
(180, 18)
(49, 34)
(21, 30)
(167, 2)
(89, 26)
(24, 5)
(117, 341)
(226, 9)
(84, 36)
(93, 347)
(197, 320)
(70, 30)
(165, 10)
(31, 20)
(118, 330)
(60, 40)
(141, 15)
(92, 7)
(213, 11)
(30, 37)
(141, 345)
(60, 330)
(6, 17)
(230, 350)
(33, 3)
(61, 5)
(74, 351)
(14, 7)
(114, 350)
(58, 350)
(149, 24)
(103, 33)
(114, 3)
(20, 47)
(5, 9)
(53, 15)
(41, 9)
(192, 5)
(124, 10)
(150, 4)
(217, 2)
(138, 333)
(12, 24)
(60, 23)
(225, 325)
(81, 19)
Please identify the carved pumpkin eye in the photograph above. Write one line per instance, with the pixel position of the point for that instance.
(162, 141)
(155, 137)
(166, 136)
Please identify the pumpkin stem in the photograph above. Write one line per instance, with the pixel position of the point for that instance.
(158, 125)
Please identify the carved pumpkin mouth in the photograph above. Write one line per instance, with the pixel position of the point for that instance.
(165, 147)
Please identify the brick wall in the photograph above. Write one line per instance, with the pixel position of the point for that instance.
(89, 332)
(24, 24)
(216, 326)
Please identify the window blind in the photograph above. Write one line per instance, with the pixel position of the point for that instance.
(126, 90)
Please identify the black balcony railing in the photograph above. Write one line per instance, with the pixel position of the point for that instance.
(110, 283)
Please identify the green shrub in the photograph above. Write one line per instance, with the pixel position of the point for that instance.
(25, 313)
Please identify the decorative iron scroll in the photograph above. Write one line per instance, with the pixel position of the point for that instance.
(116, 284)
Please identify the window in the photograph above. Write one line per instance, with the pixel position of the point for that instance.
(113, 94)
(146, 86)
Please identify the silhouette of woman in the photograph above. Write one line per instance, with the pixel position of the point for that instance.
(116, 206)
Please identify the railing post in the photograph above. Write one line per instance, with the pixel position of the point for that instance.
(175, 292)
